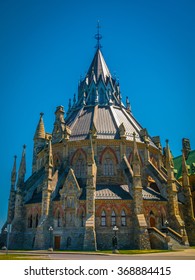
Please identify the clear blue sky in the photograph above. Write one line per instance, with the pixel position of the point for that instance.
(45, 46)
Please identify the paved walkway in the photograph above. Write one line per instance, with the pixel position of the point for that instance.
(187, 254)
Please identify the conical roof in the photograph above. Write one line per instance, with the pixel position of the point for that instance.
(100, 104)
(98, 67)
(40, 130)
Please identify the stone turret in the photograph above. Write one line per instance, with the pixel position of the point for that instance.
(174, 218)
(39, 141)
(59, 124)
(42, 238)
(47, 188)
(19, 186)
(18, 222)
(188, 206)
(90, 235)
(141, 237)
(22, 169)
(186, 147)
(12, 196)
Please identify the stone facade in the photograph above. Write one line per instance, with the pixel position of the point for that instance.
(97, 169)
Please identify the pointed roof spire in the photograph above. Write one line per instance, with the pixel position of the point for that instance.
(128, 107)
(169, 158)
(14, 173)
(98, 67)
(40, 130)
(22, 168)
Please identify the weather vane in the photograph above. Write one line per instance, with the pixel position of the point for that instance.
(98, 36)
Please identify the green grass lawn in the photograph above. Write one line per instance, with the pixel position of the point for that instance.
(23, 257)
(45, 255)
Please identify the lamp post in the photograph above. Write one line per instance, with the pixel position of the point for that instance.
(50, 232)
(7, 230)
(114, 240)
(166, 227)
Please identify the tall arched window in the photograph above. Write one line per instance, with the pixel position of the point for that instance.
(113, 218)
(36, 220)
(30, 221)
(82, 219)
(58, 218)
(79, 164)
(108, 167)
(80, 168)
(123, 218)
(103, 219)
(108, 160)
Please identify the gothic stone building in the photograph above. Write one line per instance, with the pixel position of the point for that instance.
(99, 168)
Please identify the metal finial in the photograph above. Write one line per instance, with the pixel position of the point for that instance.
(98, 36)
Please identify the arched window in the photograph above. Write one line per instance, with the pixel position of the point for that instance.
(70, 202)
(123, 218)
(108, 160)
(58, 218)
(113, 218)
(82, 219)
(103, 219)
(36, 220)
(79, 164)
(80, 168)
(30, 221)
(108, 167)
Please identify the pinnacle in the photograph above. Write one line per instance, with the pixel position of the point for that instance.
(40, 130)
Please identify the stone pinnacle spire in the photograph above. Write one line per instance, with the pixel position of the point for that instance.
(40, 130)
(22, 168)
(13, 173)
(169, 158)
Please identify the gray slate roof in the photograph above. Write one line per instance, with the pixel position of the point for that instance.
(100, 104)
(112, 192)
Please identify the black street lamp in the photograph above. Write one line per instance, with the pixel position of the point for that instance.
(51, 231)
(166, 226)
(114, 240)
(7, 230)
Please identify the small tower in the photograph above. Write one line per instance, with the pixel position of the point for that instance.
(188, 206)
(90, 235)
(39, 141)
(59, 124)
(141, 236)
(19, 186)
(47, 188)
(174, 218)
(18, 222)
(42, 233)
(22, 170)
(12, 195)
